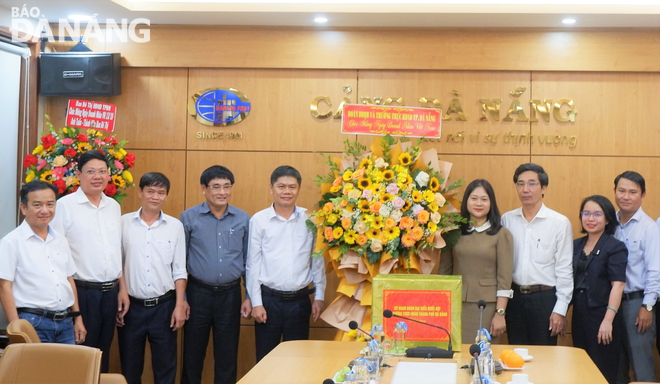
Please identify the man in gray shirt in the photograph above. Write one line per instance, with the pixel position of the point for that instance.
(216, 245)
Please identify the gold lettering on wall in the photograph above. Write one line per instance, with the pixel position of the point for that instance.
(543, 108)
(516, 108)
(314, 107)
(492, 107)
(219, 135)
(570, 114)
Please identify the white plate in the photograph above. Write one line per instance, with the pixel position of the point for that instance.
(528, 358)
(507, 368)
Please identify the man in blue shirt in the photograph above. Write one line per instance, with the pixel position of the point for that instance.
(216, 247)
(642, 238)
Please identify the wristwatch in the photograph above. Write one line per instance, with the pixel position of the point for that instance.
(648, 307)
(503, 312)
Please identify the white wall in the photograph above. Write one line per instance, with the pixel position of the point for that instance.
(5, 16)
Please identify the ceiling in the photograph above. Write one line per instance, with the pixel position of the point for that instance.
(361, 13)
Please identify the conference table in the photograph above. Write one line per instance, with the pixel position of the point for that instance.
(312, 361)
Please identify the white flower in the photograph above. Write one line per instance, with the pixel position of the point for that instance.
(346, 214)
(396, 215)
(422, 179)
(384, 211)
(361, 227)
(376, 245)
(439, 199)
(354, 194)
(60, 161)
(380, 163)
(435, 217)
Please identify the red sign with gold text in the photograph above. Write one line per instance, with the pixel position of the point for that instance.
(432, 307)
(396, 121)
(88, 114)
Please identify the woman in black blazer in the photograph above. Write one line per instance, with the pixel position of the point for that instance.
(599, 272)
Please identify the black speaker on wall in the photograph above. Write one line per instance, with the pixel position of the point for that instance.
(80, 74)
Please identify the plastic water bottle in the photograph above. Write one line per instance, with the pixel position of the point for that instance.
(485, 358)
(399, 337)
(385, 344)
(349, 378)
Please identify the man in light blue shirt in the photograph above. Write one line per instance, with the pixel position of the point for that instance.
(642, 238)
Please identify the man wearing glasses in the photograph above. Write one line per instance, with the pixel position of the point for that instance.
(91, 223)
(642, 238)
(542, 263)
(216, 247)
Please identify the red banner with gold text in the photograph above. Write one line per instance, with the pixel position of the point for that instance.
(432, 307)
(396, 121)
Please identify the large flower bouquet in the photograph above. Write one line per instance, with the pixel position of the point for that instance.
(384, 211)
(55, 160)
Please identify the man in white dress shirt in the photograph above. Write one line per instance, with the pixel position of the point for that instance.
(280, 267)
(91, 223)
(36, 270)
(154, 254)
(542, 263)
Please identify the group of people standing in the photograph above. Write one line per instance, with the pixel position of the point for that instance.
(526, 265)
(76, 269)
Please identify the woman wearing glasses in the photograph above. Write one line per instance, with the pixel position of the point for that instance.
(484, 257)
(599, 272)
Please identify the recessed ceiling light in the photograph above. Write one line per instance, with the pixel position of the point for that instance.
(568, 21)
(321, 20)
(80, 17)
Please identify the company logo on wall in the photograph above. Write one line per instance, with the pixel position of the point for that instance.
(219, 107)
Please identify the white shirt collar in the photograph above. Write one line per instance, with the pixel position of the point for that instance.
(485, 226)
(158, 222)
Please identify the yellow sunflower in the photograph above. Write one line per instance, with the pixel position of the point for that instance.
(417, 196)
(335, 189)
(405, 159)
(47, 176)
(364, 183)
(84, 147)
(350, 236)
(118, 181)
(386, 198)
(406, 206)
(433, 207)
(364, 206)
(434, 184)
(373, 233)
(332, 218)
(337, 232)
(429, 196)
(388, 175)
(347, 175)
(392, 233)
(365, 163)
(377, 223)
(432, 226)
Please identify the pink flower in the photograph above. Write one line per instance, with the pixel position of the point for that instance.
(98, 142)
(119, 165)
(398, 202)
(393, 189)
(367, 194)
(417, 209)
(42, 163)
(67, 141)
(59, 172)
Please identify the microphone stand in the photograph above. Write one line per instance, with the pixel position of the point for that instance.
(387, 313)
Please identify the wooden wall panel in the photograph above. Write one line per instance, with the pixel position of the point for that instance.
(498, 170)
(471, 86)
(151, 111)
(617, 113)
(171, 165)
(574, 178)
(280, 118)
(252, 173)
(395, 48)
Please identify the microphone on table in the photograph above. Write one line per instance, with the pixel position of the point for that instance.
(482, 305)
(328, 381)
(354, 325)
(475, 350)
(425, 351)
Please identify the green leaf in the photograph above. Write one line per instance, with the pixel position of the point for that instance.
(317, 254)
(311, 226)
(373, 257)
(451, 237)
